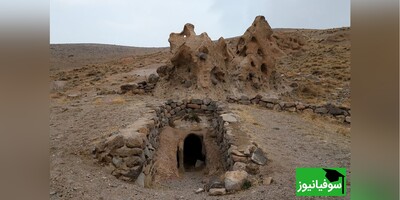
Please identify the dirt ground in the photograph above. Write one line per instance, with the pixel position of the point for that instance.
(84, 107)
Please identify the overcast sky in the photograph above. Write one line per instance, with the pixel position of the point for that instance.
(148, 23)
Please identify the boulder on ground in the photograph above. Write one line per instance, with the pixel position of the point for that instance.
(258, 157)
(234, 180)
(153, 78)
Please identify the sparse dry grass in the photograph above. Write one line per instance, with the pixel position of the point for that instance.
(321, 70)
(246, 116)
(343, 130)
(109, 100)
(98, 101)
(118, 100)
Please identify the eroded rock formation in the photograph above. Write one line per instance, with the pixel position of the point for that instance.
(256, 52)
(199, 63)
(196, 59)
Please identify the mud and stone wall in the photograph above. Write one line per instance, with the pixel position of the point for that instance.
(129, 153)
(342, 114)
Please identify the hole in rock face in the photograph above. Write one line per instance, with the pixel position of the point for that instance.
(192, 151)
(260, 53)
(203, 50)
(250, 76)
(264, 68)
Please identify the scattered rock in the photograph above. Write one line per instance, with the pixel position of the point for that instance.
(125, 152)
(348, 119)
(217, 191)
(197, 101)
(133, 161)
(239, 166)
(73, 95)
(288, 105)
(148, 153)
(277, 107)
(259, 157)
(300, 106)
(194, 106)
(237, 153)
(321, 110)
(59, 85)
(253, 168)
(199, 190)
(134, 172)
(308, 111)
(207, 101)
(255, 101)
(153, 78)
(140, 179)
(128, 87)
(199, 164)
(234, 180)
(244, 98)
(117, 162)
(239, 158)
(115, 142)
(245, 102)
(187, 83)
(214, 182)
(229, 118)
(267, 181)
(341, 118)
(270, 105)
(134, 141)
(333, 110)
(294, 85)
(273, 99)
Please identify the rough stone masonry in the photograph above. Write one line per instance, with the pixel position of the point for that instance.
(130, 152)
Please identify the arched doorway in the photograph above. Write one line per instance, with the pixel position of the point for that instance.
(192, 151)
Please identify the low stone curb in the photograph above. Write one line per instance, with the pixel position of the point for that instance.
(342, 114)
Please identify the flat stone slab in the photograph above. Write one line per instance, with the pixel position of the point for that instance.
(217, 191)
(259, 157)
(229, 118)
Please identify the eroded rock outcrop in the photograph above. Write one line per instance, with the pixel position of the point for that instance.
(196, 59)
(257, 52)
(197, 62)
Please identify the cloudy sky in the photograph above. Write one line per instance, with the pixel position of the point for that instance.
(148, 23)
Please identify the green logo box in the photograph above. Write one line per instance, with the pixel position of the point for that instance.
(321, 182)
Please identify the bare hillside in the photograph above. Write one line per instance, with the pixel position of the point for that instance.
(64, 56)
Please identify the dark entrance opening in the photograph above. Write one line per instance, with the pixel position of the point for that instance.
(192, 151)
